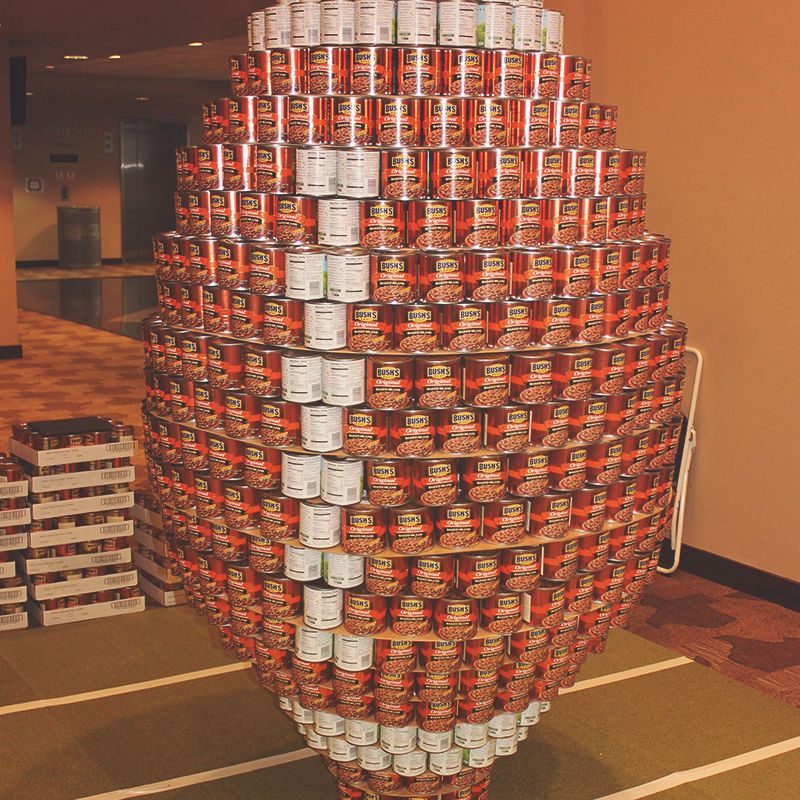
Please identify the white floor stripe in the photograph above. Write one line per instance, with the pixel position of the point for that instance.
(204, 777)
(297, 755)
(49, 702)
(706, 771)
(614, 677)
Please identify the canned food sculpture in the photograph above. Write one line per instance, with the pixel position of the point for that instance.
(413, 390)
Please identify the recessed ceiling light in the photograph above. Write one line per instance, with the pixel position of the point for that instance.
(50, 66)
(76, 58)
(195, 44)
(28, 94)
(115, 57)
(142, 99)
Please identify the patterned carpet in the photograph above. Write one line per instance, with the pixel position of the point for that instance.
(737, 634)
(73, 370)
(56, 273)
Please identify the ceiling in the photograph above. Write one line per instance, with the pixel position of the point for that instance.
(150, 35)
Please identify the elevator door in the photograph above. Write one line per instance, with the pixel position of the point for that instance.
(148, 183)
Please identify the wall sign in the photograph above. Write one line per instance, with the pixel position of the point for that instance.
(34, 186)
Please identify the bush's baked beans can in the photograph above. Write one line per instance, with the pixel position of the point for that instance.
(410, 531)
(398, 120)
(477, 223)
(507, 428)
(369, 327)
(296, 219)
(445, 122)
(531, 377)
(383, 223)
(478, 574)
(568, 469)
(502, 613)
(456, 618)
(522, 226)
(458, 525)
(412, 432)
(342, 481)
(437, 381)
(587, 419)
(271, 117)
(460, 429)
(282, 597)
(464, 326)
(434, 481)
(528, 474)
(550, 515)
(454, 173)
(488, 275)
(283, 321)
(393, 276)
(242, 119)
(588, 509)
(430, 223)
(386, 576)
(363, 529)
(306, 121)
(223, 213)
(504, 521)
(507, 73)
(485, 478)
(389, 382)
(486, 380)
(267, 269)
(509, 324)
(210, 166)
(417, 328)
(464, 71)
(410, 616)
(365, 431)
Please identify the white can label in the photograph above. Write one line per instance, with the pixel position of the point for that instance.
(342, 481)
(416, 22)
(306, 274)
(342, 571)
(544, 706)
(325, 326)
(302, 563)
(353, 653)
(527, 28)
(375, 21)
(320, 525)
(285, 704)
(338, 222)
(357, 173)
(506, 746)
(327, 724)
(314, 740)
(337, 22)
(410, 764)
(305, 23)
(522, 734)
(302, 716)
(343, 381)
(322, 607)
(446, 763)
(495, 25)
(321, 431)
(315, 171)
(458, 23)
(398, 740)
(256, 31)
(300, 478)
(552, 31)
(360, 733)
(502, 726)
(373, 758)
(348, 277)
(313, 645)
(278, 26)
(341, 750)
(480, 756)
(530, 716)
(436, 742)
(301, 378)
(468, 734)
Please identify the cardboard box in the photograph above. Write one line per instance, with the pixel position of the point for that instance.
(15, 516)
(152, 518)
(156, 570)
(71, 455)
(82, 505)
(36, 566)
(48, 591)
(83, 533)
(159, 546)
(168, 599)
(17, 541)
(10, 597)
(82, 480)
(13, 622)
(8, 569)
(14, 489)
(112, 608)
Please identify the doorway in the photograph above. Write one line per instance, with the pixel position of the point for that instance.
(148, 183)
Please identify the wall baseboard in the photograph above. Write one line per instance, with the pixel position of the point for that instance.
(9, 351)
(741, 577)
(106, 262)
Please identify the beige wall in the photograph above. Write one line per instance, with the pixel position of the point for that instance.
(710, 91)
(73, 117)
(8, 284)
